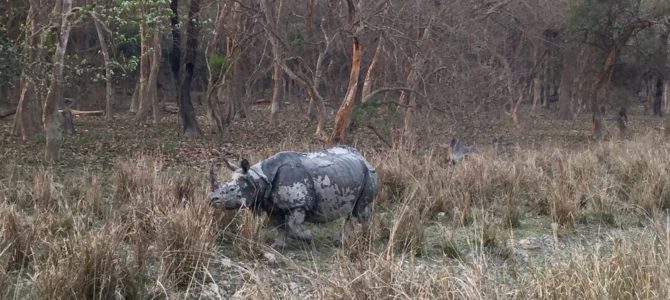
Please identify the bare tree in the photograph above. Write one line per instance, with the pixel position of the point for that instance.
(273, 15)
(233, 36)
(417, 62)
(309, 84)
(100, 28)
(666, 86)
(342, 115)
(369, 76)
(28, 121)
(150, 37)
(189, 123)
(52, 118)
(613, 53)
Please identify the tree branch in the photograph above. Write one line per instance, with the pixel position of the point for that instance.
(388, 89)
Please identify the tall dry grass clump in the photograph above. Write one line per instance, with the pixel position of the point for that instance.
(603, 180)
(135, 177)
(84, 267)
(44, 195)
(440, 231)
(634, 267)
(17, 237)
(184, 242)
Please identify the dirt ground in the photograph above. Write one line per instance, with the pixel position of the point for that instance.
(98, 142)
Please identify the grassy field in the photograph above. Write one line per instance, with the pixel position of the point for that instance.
(125, 216)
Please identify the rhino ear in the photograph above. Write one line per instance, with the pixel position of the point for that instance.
(245, 165)
(230, 166)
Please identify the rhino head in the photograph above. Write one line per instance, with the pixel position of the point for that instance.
(239, 191)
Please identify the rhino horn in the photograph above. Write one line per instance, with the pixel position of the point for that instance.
(231, 166)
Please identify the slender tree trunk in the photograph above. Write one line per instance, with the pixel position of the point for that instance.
(153, 76)
(666, 96)
(109, 92)
(666, 91)
(273, 19)
(318, 78)
(53, 119)
(369, 77)
(408, 100)
(306, 83)
(216, 80)
(565, 92)
(342, 116)
(190, 126)
(277, 83)
(175, 54)
(537, 93)
(134, 100)
(666, 85)
(143, 99)
(27, 121)
(650, 92)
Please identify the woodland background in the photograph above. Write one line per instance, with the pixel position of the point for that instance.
(111, 112)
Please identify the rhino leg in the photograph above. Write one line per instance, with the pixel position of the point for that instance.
(363, 208)
(295, 229)
(280, 240)
(340, 239)
(282, 234)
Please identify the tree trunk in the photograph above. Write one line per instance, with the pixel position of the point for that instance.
(190, 126)
(369, 77)
(277, 83)
(666, 97)
(153, 77)
(658, 98)
(408, 100)
(109, 92)
(217, 78)
(175, 54)
(650, 91)
(537, 93)
(143, 99)
(27, 121)
(597, 111)
(53, 119)
(317, 79)
(605, 72)
(666, 85)
(565, 92)
(272, 19)
(134, 100)
(342, 116)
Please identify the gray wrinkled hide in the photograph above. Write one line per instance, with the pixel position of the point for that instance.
(295, 187)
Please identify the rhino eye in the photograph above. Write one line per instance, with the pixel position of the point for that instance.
(231, 189)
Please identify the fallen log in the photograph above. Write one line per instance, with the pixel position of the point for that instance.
(7, 113)
(85, 112)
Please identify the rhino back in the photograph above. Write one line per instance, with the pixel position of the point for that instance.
(336, 178)
(339, 179)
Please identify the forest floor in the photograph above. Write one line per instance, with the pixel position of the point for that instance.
(124, 213)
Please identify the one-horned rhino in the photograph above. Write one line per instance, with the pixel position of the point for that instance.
(295, 187)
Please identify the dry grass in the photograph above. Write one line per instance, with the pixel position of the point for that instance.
(440, 232)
